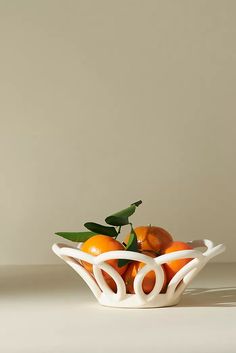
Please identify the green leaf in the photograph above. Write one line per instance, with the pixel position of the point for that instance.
(99, 229)
(133, 242)
(121, 218)
(76, 236)
(131, 246)
(137, 203)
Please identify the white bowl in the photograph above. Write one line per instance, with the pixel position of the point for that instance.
(105, 296)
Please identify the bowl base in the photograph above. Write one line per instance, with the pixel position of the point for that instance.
(133, 301)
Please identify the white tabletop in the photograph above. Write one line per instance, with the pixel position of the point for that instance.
(48, 309)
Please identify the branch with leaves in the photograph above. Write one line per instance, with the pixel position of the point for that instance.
(116, 221)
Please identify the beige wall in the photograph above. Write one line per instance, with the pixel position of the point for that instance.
(107, 102)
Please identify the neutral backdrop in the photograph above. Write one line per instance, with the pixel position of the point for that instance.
(107, 102)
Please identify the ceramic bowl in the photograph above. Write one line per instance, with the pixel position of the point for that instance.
(105, 296)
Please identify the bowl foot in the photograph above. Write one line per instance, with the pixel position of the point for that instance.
(132, 301)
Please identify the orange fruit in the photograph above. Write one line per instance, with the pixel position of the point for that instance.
(110, 281)
(151, 238)
(148, 281)
(112, 284)
(99, 244)
(172, 267)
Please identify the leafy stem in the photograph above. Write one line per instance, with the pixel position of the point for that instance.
(113, 229)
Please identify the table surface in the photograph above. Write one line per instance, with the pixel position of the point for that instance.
(49, 309)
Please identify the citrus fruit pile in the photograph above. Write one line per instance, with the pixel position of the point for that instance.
(150, 240)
